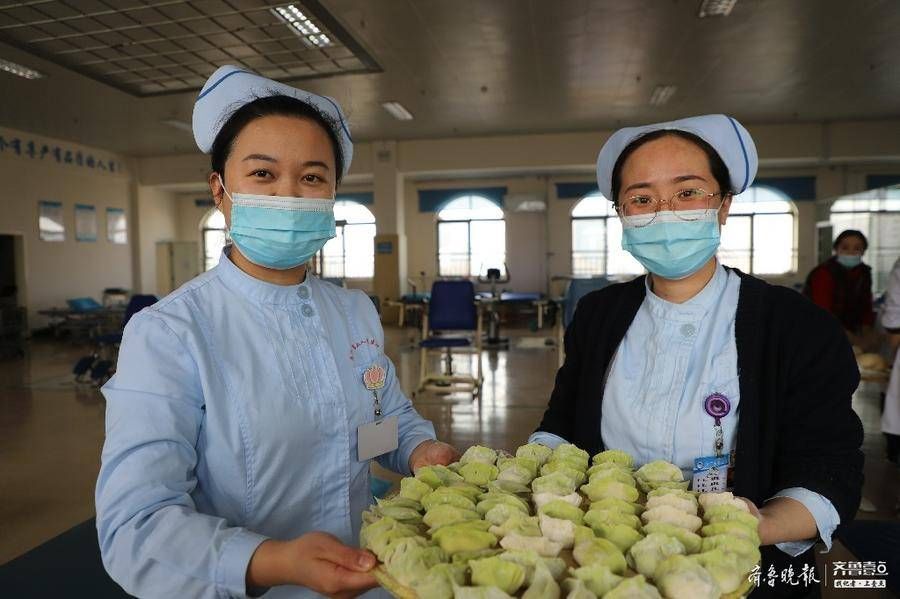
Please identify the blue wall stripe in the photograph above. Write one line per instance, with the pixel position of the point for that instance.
(799, 189)
(367, 198)
(569, 191)
(876, 181)
(432, 200)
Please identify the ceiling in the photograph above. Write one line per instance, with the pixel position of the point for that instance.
(463, 68)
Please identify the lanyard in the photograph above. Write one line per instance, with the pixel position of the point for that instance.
(373, 379)
(718, 406)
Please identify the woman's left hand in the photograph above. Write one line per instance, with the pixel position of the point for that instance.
(430, 453)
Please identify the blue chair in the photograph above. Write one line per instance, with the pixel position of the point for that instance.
(576, 289)
(101, 364)
(451, 309)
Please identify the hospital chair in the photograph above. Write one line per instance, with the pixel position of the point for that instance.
(576, 289)
(451, 325)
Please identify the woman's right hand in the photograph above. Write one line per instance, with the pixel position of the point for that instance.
(316, 560)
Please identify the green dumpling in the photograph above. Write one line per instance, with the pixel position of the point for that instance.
(645, 555)
(502, 512)
(735, 529)
(747, 549)
(408, 561)
(400, 501)
(596, 516)
(563, 510)
(730, 513)
(535, 451)
(605, 487)
(541, 584)
(556, 483)
(659, 471)
(597, 578)
(464, 557)
(478, 473)
(438, 583)
(527, 463)
(599, 551)
(456, 539)
(679, 577)
(577, 589)
(529, 559)
(413, 488)
(622, 535)
(508, 486)
(690, 540)
(445, 515)
(728, 569)
(437, 476)
(495, 572)
(577, 476)
(614, 456)
(635, 587)
(399, 513)
(477, 453)
(614, 473)
(491, 500)
(567, 451)
(618, 505)
(520, 524)
(445, 495)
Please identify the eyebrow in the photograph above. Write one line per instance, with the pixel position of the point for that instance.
(679, 179)
(266, 158)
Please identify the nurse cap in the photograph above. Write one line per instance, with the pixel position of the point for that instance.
(727, 137)
(230, 88)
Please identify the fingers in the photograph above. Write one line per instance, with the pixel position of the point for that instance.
(344, 583)
(348, 558)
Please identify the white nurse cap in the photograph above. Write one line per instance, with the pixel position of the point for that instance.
(230, 88)
(727, 137)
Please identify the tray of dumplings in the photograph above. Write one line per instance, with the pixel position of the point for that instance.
(555, 523)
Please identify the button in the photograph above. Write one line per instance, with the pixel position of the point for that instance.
(688, 330)
(307, 310)
(303, 292)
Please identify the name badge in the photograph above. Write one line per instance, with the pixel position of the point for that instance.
(710, 474)
(377, 438)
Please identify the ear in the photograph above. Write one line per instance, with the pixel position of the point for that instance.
(724, 209)
(216, 189)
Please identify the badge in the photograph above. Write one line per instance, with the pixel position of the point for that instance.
(373, 377)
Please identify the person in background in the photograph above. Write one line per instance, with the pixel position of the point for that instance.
(890, 320)
(843, 286)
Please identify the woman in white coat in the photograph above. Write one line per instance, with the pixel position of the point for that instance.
(890, 320)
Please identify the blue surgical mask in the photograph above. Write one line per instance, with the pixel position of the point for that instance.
(280, 232)
(849, 260)
(671, 247)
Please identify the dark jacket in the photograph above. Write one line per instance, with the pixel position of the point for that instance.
(844, 292)
(797, 374)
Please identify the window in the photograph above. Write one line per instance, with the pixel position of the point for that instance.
(877, 214)
(760, 236)
(351, 254)
(214, 236)
(471, 237)
(597, 240)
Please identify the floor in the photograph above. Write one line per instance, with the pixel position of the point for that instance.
(51, 430)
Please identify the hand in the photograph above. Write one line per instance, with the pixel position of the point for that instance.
(783, 519)
(762, 523)
(430, 453)
(317, 561)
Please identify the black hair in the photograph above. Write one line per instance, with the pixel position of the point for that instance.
(268, 106)
(716, 164)
(851, 233)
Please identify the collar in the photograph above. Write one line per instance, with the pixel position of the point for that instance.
(693, 309)
(236, 279)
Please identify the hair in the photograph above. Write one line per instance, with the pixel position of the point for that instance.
(851, 233)
(279, 105)
(716, 164)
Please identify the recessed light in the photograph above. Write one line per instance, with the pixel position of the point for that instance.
(302, 26)
(662, 94)
(17, 69)
(398, 111)
(715, 8)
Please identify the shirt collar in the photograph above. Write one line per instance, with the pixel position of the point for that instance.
(694, 308)
(236, 279)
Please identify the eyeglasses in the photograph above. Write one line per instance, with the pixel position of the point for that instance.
(687, 204)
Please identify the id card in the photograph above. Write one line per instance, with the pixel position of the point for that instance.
(377, 438)
(710, 474)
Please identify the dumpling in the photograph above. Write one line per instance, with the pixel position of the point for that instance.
(478, 473)
(409, 561)
(657, 474)
(502, 512)
(599, 551)
(621, 535)
(400, 501)
(542, 584)
(509, 487)
(491, 500)
(463, 558)
(748, 550)
(527, 526)
(371, 532)
(461, 487)
(540, 545)
(556, 483)
(576, 589)
(679, 577)
(685, 505)
(596, 516)
(413, 488)
(614, 456)
(529, 559)
(615, 474)
(730, 513)
(728, 569)
(495, 572)
(439, 581)
(515, 473)
(455, 539)
(564, 510)
(437, 476)
(567, 451)
(479, 593)
(690, 540)
(477, 453)
(735, 529)
(542, 499)
(681, 493)
(645, 555)
(605, 487)
(399, 513)
(535, 451)
(445, 495)
(558, 530)
(576, 475)
(708, 500)
(618, 505)
(445, 515)
(635, 587)
(597, 578)
(667, 513)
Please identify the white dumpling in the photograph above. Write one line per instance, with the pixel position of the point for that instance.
(541, 499)
(708, 500)
(558, 530)
(540, 545)
(671, 515)
(685, 505)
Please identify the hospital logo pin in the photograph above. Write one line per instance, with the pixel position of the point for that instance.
(374, 377)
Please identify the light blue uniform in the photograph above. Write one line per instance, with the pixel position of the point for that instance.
(672, 357)
(232, 418)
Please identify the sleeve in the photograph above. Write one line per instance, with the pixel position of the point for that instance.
(821, 287)
(559, 418)
(890, 316)
(548, 439)
(823, 512)
(152, 540)
(867, 318)
(819, 437)
(412, 429)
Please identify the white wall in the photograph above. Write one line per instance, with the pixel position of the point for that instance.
(157, 220)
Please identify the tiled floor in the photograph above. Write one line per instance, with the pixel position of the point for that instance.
(51, 430)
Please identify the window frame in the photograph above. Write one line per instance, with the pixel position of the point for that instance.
(468, 222)
(610, 214)
(203, 231)
(792, 210)
(342, 226)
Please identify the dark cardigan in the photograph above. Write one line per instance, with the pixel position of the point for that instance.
(797, 374)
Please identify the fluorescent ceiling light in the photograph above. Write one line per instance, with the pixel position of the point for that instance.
(716, 8)
(398, 111)
(301, 25)
(17, 69)
(180, 125)
(662, 94)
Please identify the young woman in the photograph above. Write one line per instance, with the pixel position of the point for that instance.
(696, 360)
(241, 420)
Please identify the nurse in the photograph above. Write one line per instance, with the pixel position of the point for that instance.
(698, 360)
(247, 405)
